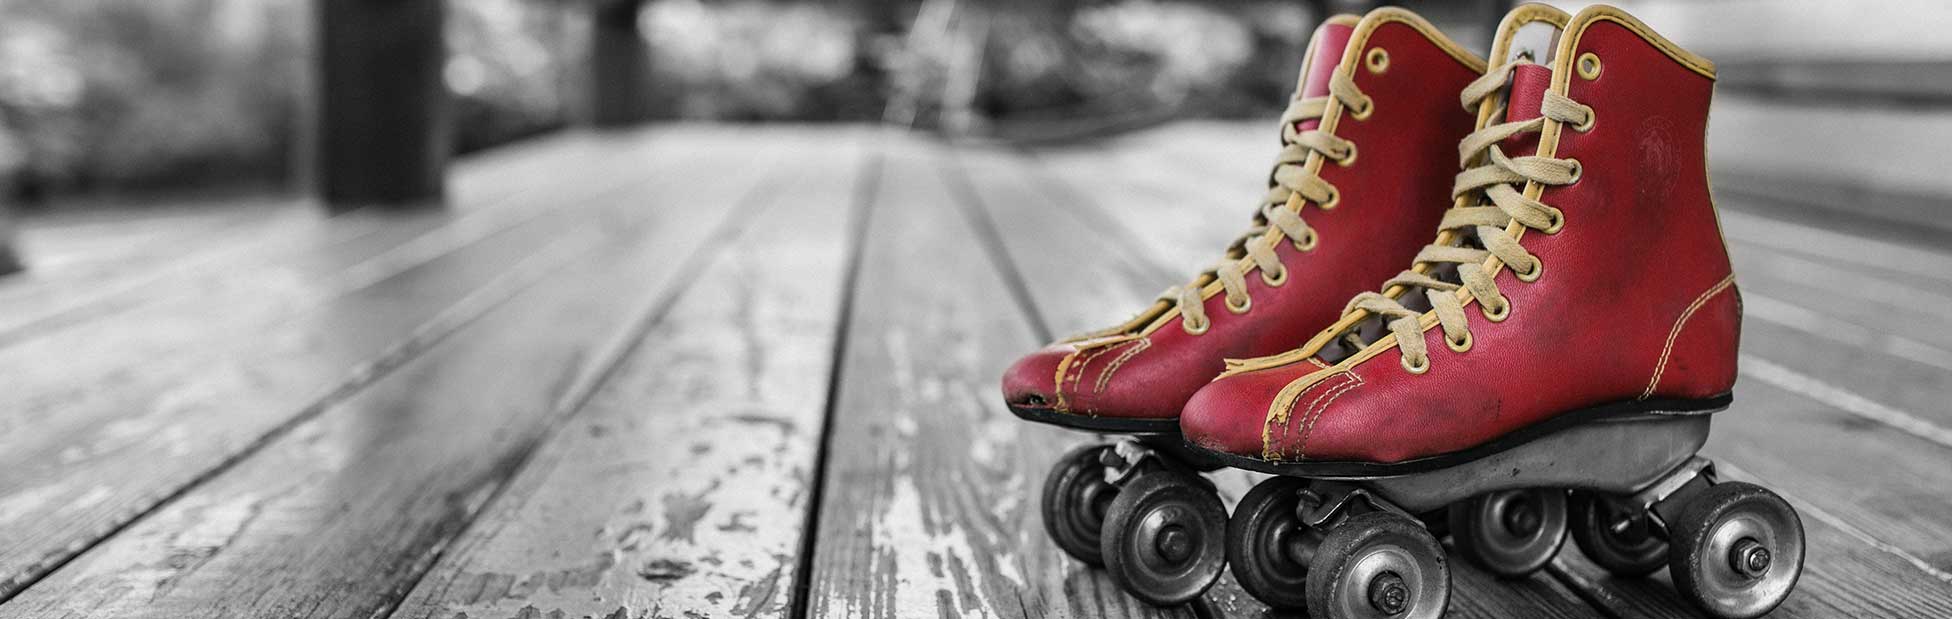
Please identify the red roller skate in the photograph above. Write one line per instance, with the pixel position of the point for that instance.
(1351, 196)
(1548, 363)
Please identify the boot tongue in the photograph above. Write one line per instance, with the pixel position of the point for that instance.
(1324, 54)
(1523, 97)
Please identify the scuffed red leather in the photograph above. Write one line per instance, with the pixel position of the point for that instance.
(1640, 245)
(1392, 197)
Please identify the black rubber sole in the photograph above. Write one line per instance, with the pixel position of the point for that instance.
(1332, 469)
(1110, 425)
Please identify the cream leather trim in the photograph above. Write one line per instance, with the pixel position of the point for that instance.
(1352, 59)
(1674, 333)
(1548, 142)
(1500, 47)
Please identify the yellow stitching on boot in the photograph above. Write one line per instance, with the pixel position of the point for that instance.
(1084, 363)
(1135, 348)
(1675, 332)
(1057, 383)
(1315, 414)
(1281, 419)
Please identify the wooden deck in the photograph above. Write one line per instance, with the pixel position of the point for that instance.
(709, 371)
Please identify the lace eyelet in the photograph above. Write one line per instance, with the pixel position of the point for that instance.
(1377, 60)
(1591, 119)
(1348, 159)
(1577, 171)
(1558, 222)
(1415, 368)
(1363, 113)
(1334, 198)
(1589, 66)
(1538, 268)
(1276, 279)
(1459, 346)
(1497, 314)
(1246, 303)
(1193, 329)
(1306, 243)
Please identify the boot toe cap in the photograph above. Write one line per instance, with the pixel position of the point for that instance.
(1229, 415)
(1031, 382)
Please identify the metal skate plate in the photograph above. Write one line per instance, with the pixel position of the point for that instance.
(1620, 456)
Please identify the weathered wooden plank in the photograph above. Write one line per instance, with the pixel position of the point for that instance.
(1040, 243)
(682, 488)
(929, 499)
(309, 248)
(99, 431)
(340, 516)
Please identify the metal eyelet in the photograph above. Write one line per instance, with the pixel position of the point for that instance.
(1368, 108)
(1192, 329)
(1591, 118)
(1418, 368)
(1377, 60)
(1349, 158)
(1306, 243)
(1589, 66)
(1497, 314)
(1458, 346)
(1538, 268)
(1276, 279)
(1334, 198)
(1558, 222)
(1246, 303)
(1577, 171)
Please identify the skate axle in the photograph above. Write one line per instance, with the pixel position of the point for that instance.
(1388, 594)
(1749, 558)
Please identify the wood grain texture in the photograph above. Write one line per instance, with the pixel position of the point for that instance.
(236, 273)
(930, 497)
(341, 516)
(90, 448)
(683, 487)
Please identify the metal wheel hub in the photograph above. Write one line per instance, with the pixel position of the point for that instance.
(1749, 542)
(1385, 581)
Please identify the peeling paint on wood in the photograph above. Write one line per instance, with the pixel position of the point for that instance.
(695, 482)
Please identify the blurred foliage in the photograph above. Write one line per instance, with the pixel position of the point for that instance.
(102, 94)
(753, 59)
(118, 95)
(510, 67)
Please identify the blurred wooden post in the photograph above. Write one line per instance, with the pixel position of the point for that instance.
(9, 261)
(381, 129)
(9, 165)
(620, 65)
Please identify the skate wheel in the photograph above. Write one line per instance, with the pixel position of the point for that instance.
(1075, 499)
(1616, 536)
(1269, 546)
(1162, 537)
(1736, 551)
(1378, 565)
(1511, 533)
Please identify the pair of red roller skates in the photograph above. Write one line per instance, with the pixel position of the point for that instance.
(1545, 367)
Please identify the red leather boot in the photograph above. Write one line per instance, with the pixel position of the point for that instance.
(1362, 174)
(1571, 327)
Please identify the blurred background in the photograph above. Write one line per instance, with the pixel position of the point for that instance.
(114, 101)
